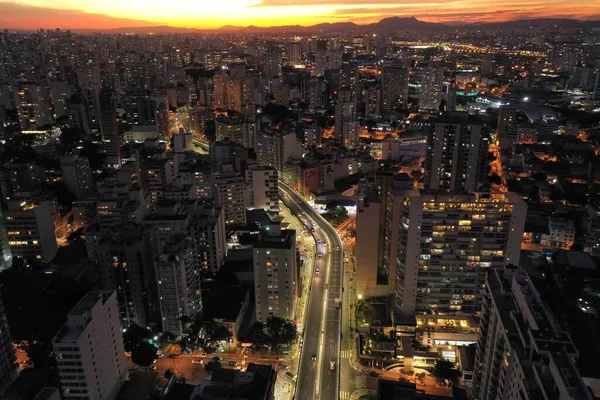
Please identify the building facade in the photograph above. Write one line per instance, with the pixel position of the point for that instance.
(276, 273)
(89, 349)
(522, 352)
(447, 243)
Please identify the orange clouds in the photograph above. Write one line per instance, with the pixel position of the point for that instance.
(107, 14)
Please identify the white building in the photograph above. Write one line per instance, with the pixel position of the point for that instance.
(561, 233)
(231, 195)
(178, 285)
(89, 349)
(30, 230)
(447, 242)
(263, 188)
(276, 273)
(522, 352)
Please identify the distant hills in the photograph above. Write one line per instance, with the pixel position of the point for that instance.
(385, 26)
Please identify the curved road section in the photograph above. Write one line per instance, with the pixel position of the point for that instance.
(318, 378)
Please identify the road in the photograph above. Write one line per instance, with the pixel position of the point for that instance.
(322, 326)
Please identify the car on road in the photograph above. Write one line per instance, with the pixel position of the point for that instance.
(217, 359)
(332, 366)
(317, 271)
(314, 357)
(197, 361)
(337, 248)
(202, 354)
(232, 363)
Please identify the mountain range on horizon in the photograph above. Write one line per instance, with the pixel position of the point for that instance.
(388, 25)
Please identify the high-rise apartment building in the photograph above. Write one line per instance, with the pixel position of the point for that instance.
(8, 366)
(522, 351)
(432, 88)
(346, 122)
(33, 106)
(30, 230)
(507, 118)
(126, 260)
(457, 149)
(394, 83)
(178, 284)
(109, 129)
(77, 175)
(447, 242)
(207, 230)
(276, 273)
(89, 349)
(274, 147)
(231, 195)
(294, 53)
(377, 227)
(263, 188)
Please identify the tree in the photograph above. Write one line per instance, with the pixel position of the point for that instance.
(169, 374)
(211, 366)
(495, 179)
(134, 336)
(168, 337)
(144, 354)
(275, 333)
(210, 334)
(444, 371)
(39, 353)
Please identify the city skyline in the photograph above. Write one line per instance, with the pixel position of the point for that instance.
(111, 14)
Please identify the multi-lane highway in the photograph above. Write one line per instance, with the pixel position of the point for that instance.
(322, 326)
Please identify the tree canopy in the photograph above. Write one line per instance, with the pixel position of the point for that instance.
(444, 371)
(144, 354)
(210, 334)
(274, 333)
(134, 336)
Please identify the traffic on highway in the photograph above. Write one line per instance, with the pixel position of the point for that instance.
(318, 375)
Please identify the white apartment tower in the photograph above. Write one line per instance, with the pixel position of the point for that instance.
(263, 188)
(522, 351)
(432, 88)
(178, 285)
(89, 349)
(30, 230)
(447, 242)
(276, 273)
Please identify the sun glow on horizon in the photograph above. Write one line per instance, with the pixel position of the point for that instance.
(213, 14)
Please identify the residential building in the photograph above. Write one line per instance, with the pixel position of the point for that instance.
(89, 349)
(276, 277)
(8, 366)
(30, 229)
(294, 53)
(207, 230)
(33, 106)
(432, 88)
(263, 188)
(126, 260)
(77, 175)
(178, 284)
(394, 83)
(346, 123)
(522, 351)
(377, 228)
(274, 147)
(561, 233)
(231, 195)
(109, 129)
(457, 151)
(447, 242)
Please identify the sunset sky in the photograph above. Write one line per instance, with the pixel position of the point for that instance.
(102, 14)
